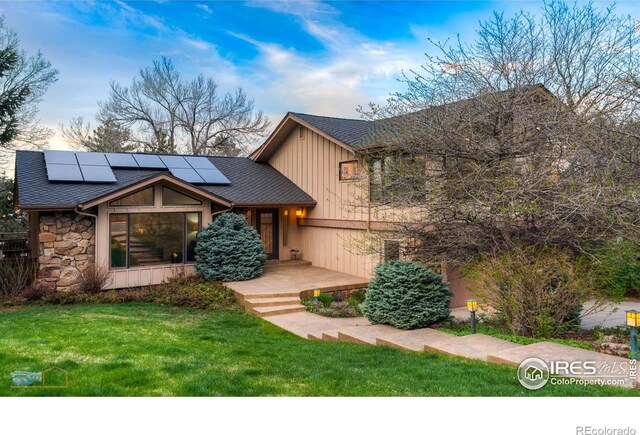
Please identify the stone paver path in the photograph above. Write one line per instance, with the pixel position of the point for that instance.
(477, 346)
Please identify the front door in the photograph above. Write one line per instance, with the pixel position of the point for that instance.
(267, 225)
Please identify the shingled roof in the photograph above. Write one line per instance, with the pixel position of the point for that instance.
(353, 132)
(252, 183)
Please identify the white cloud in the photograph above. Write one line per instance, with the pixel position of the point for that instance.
(205, 8)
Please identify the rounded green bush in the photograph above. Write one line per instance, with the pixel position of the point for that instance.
(407, 295)
(229, 250)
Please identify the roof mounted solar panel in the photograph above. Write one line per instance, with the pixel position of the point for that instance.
(121, 160)
(58, 172)
(212, 176)
(60, 157)
(188, 175)
(175, 162)
(97, 174)
(149, 161)
(200, 162)
(92, 159)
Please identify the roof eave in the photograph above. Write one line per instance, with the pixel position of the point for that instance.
(151, 180)
(283, 129)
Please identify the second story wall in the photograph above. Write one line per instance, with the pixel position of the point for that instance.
(312, 161)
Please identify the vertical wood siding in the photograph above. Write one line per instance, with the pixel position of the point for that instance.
(312, 163)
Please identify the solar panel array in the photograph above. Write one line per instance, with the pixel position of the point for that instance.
(97, 167)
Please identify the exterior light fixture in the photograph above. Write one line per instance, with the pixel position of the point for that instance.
(286, 212)
(472, 307)
(299, 212)
(141, 230)
(633, 321)
(316, 293)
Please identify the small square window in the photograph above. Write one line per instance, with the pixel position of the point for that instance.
(349, 170)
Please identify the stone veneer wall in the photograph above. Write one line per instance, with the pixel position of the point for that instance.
(67, 246)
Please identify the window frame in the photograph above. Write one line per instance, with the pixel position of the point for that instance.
(127, 241)
(357, 171)
(153, 196)
(199, 201)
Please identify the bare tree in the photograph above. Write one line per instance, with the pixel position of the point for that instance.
(526, 136)
(108, 136)
(23, 81)
(170, 114)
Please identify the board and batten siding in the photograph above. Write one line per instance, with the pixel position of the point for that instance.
(311, 161)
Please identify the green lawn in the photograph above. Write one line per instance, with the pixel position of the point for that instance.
(140, 349)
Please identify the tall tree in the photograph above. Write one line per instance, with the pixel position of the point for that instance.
(108, 136)
(23, 81)
(526, 136)
(169, 113)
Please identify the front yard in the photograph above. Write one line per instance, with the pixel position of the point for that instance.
(141, 349)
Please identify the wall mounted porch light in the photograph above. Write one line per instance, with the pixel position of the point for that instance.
(299, 212)
(472, 307)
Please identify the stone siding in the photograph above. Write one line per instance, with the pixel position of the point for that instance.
(67, 248)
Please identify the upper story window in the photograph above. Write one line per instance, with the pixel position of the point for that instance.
(348, 170)
(397, 179)
(173, 197)
(301, 132)
(141, 198)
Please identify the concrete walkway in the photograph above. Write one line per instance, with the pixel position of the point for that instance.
(610, 316)
(478, 346)
(278, 290)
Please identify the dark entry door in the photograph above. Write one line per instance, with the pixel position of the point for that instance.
(267, 225)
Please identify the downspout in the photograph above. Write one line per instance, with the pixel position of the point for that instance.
(95, 217)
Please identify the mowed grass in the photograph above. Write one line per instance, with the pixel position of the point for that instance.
(140, 349)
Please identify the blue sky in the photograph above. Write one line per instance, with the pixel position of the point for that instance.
(316, 57)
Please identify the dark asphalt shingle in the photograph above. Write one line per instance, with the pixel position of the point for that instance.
(353, 132)
(251, 182)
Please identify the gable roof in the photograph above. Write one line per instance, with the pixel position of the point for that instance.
(252, 184)
(354, 134)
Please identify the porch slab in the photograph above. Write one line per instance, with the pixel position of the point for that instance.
(276, 281)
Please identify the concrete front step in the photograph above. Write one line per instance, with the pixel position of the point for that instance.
(475, 346)
(366, 334)
(281, 309)
(608, 367)
(271, 302)
(245, 296)
(414, 340)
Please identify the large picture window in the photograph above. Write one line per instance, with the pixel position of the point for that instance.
(146, 239)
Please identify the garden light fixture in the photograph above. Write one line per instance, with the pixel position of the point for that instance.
(633, 321)
(316, 294)
(472, 307)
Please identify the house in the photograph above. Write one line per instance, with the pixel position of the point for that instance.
(138, 214)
